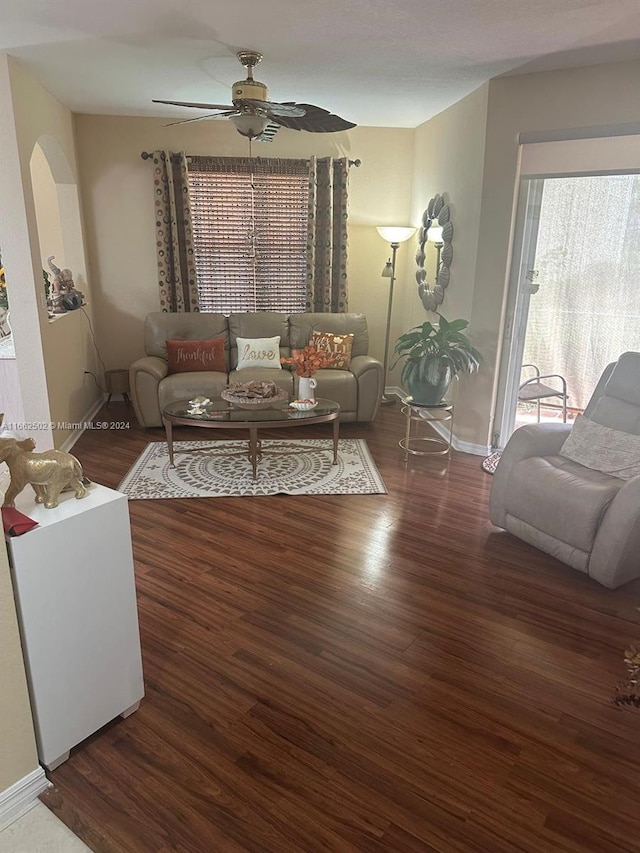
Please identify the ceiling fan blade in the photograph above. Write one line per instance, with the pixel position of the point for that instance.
(268, 133)
(315, 120)
(197, 106)
(201, 118)
(286, 108)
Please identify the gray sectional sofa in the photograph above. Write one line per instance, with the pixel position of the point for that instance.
(358, 389)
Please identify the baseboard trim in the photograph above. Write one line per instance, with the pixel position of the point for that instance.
(68, 443)
(441, 429)
(21, 796)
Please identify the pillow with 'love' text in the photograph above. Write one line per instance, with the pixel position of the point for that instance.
(258, 352)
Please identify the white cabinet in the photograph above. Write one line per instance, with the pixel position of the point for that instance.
(75, 593)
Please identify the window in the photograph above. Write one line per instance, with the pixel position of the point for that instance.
(250, 222)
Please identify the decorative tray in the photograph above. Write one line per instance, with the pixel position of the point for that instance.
(254, 395)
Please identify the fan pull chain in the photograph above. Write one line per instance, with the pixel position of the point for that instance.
(252, 231)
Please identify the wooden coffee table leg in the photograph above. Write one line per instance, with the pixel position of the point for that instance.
(169, 431)
(336, 432)
(253, 451)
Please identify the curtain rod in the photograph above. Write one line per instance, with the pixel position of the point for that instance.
(147, 156)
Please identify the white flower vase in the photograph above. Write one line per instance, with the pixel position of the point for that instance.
(306, 387)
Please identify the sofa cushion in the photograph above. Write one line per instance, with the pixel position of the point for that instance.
(560, 498)
(603, 448)
(258, 352)
(282, 378)
(264, 324)
(192, 356)
(339, 346)
(161, 326)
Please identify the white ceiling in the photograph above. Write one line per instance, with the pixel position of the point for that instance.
(374, 62)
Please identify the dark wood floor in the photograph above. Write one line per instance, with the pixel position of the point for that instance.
(358, 673)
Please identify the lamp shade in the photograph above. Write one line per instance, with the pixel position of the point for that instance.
(395, 234)
(434, 234)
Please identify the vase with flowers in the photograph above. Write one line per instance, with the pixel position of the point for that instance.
(307, 361)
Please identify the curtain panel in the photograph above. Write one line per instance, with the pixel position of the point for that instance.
(327, 289)
(174, 234)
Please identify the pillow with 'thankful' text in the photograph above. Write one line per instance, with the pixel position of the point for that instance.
(191, 356)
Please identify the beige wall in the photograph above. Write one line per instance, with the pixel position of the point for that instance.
(17, 740)
(51, 363)
(448, 160)
(117, 188)
(20, 256)
(47, 211)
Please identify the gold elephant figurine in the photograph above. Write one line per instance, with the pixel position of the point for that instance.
(48, 473)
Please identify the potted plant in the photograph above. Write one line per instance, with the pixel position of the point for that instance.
(434, 355)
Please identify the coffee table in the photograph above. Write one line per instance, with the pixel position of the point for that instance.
(223, 415)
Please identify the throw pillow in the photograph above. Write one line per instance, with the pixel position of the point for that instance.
(258, 352)
(188, 356)
(603, 449)
(339, 346)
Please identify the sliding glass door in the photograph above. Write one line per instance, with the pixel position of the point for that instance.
(574, 298)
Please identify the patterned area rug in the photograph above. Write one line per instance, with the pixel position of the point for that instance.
(219, 469)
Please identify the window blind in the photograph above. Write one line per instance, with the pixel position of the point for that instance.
(250, 233)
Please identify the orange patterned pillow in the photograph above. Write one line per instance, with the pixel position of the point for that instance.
(338, 345)
(188, 356)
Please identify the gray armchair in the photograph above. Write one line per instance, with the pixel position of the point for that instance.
(585, 518)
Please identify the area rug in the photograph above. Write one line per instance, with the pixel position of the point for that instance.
(219, 469)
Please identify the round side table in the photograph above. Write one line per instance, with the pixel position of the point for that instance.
(423, 415)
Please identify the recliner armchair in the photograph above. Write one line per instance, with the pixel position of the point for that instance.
(585, 518)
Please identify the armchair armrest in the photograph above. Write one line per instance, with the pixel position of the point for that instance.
(615, 554)
(531, 440)
(145, 375)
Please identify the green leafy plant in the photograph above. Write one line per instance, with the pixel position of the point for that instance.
(434, 355)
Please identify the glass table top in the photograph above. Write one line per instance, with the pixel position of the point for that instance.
(220, 410)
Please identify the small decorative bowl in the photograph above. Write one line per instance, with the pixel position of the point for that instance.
(303, 405)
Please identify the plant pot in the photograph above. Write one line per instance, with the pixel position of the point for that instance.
(426, 394)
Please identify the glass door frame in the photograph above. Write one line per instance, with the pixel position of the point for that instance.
(522, 285)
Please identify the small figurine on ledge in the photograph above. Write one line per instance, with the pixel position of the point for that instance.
(64, 296)
(49, 473)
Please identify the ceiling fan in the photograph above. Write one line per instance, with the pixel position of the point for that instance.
(256, 117)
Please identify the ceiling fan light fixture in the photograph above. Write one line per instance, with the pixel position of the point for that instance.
(250, 125)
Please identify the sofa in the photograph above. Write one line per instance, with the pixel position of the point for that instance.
(358, 389)
(584, 513)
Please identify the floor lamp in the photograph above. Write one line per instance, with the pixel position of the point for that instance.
(394, 236)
